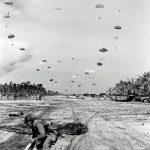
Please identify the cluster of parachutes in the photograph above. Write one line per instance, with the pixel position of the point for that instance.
(99, 63)
(10, 3)
(117, 27)
(102, 50)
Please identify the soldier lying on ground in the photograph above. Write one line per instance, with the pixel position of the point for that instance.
(43, 134)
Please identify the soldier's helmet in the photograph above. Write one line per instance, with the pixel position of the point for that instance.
(29, 117)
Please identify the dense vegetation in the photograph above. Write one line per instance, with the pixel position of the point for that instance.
(139, 85)
(22, 89)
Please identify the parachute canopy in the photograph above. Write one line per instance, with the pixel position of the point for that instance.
(72, 81)
(73, 76)
(99, 6)
(99, 64)
(51, 80)
(117, 27)
(10, 36)
(58, 8)
(87, 73)
(93, 84)
(79, 85)
(22, 49)
(44, 60)
(103, 50)
(8, 2)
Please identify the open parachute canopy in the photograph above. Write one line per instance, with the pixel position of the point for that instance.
(93, 84)
(72, 81)
(87, 73)
(99, 6)
(73, 76)
(8, 2)
(117, 27)
(22, 49)
(58, 8)
(103, 50)
(79, 85)
(44, 60)
(10, 36)
(99, 64)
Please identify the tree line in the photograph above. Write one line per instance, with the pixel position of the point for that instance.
(22, 89)
(139, 86)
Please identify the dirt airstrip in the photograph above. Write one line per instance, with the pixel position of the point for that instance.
(112, 125)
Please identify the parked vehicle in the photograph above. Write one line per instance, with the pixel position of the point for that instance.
(121, 98)
(143, 98)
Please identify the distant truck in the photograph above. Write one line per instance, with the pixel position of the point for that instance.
(142, 98)
(121, 98)
(130, 97)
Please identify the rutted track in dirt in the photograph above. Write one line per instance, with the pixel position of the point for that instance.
(112, 125)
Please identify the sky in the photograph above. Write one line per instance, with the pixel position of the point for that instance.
(72, 32)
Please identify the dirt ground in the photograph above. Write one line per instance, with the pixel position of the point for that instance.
(112, 125)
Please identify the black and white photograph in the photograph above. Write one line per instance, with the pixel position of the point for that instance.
(74, 74)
